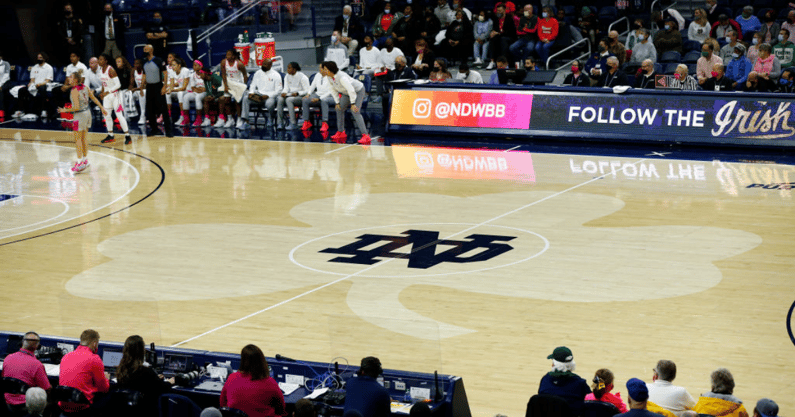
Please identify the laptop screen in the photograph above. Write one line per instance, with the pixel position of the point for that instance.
(111, 358)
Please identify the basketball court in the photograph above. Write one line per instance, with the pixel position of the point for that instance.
(472, 261)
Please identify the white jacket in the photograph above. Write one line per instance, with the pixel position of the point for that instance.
(344, 84)
(370, 59)
(266, 83)
(321, 85)
(298, 83)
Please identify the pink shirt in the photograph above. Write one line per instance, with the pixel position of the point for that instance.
(704, 66)
(260, 398)
(83, 369)
(764, 65)
(611, 398)
(24, 366)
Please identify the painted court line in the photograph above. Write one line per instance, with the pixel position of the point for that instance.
(281, 303)
(515, 147)
(338, 149)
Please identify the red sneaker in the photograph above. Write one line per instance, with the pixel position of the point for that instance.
(340, 137)
(365, 140)
(307, 125)
(324, 127)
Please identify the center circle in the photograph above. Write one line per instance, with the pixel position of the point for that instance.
(333, 253)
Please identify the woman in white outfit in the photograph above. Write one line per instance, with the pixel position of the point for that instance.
(138, 88)
(195, 94)
(178, 85)
(347, 92)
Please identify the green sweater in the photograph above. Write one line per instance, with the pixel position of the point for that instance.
(785, 52)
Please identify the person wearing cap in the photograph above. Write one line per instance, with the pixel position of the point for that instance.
(720, 401)
(563, 382)
(638, 397)
(665, 394)
(364, 394)
(766, 408)
(738, 67)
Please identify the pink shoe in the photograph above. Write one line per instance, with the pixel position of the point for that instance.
(77, 166)
(160, 120)
(197, 123)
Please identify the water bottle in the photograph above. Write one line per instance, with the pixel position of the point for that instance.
(407, 396)
(245, 36)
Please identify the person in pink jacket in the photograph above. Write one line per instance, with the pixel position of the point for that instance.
(602, 385)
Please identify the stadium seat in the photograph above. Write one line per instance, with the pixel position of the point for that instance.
(23, 74)
(68, 394)
(10, 385)
(599, 409)
(761, 13)
(545, 405)
(59, 75)
(173, 405)
(734, 4)
(607, 15)
(782, 14)
(658, 68)
(232, 412)
(691, 57)
(670, 56)
(670, 68)
(691, 69)
(689, 45)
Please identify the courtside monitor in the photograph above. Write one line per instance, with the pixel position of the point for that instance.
(176, 363)
(111, 358)
(511, 76)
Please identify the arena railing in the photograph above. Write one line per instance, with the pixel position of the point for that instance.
(585, 41)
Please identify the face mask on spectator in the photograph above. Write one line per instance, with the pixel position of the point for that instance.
(769, 18)
(333, 39)
(781, 38)
(714, 74)
(728, 39)
(499, 15)
(667, 27)
(704, 54)
(482, 18)
(735, 55)
(526, 14)
(387, 11)
(575, 69)
(602, 49)
(458, 20)
(755, 41)
(746, 15)
(40, 61)
(346, 17)
(67, 13)
(784, 81)
(108, 12)
(678, 76)
(545, 15)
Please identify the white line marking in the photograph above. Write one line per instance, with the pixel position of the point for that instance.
(281, 303)
(65, 204)
(338, 149)
(515, 147)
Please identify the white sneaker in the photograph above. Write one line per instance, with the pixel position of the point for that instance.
(207, 122)
(141, 122)
(230, 122)
(244, 126)
(239, 124)
(478, 61)
(84, 165)
(491, 65)
(180, 121)
(219, 123)
(18, 114)
(44, 114)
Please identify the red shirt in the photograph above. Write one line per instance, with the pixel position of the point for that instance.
(386, 21)
(83, 369)
(547, 29)
(24, 366)
(260, 398)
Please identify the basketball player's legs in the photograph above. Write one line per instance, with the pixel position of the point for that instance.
(112, 104)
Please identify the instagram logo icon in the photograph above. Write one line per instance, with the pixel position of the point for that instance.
(421, 108)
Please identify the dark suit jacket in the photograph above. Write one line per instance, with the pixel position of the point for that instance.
(508, 27)
(618, 78)
(581, 81)
(641, 81)
(725, 84)
(427, 58)
(355, 28)
(118, 32)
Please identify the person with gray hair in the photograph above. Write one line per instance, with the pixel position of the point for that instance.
(720, 401)
(24, 366)
(667, 395)
(211, 412)
(747, 21)
(350, 29)
(35, 401)
(563, 382)
(682, 80)
(613, 76)
(643, 50)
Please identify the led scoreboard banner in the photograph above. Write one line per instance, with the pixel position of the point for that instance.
(595, 113)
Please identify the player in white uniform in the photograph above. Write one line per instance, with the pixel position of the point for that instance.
(111, 99)
(195, 94)
(234, 69)
(178, 85)
(139, 88)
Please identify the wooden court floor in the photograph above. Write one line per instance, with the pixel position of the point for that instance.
(473, 263)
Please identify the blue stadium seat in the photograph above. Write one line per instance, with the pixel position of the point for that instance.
(23, 74)
(173, 405)
(691, 69)
(670, 56)
(670, 68)
(59, 75)
(690, 45)
(658, 68)
(608, 14)
(570, 10)
(691, 57)
(782, 14)
(761, 13)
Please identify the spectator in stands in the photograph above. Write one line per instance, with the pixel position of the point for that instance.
(561, 380)
(459, 5)
(784, 49)
(765, 407)
(251, 389)
(663, 393)
(683, 80)
(467, 76)
(602, 385)
(598, 62)
(92, 77)
(699, 28)
(211, 412)
(401, 72)
(632, 36)
(502, 63)
(157, 35)
(616, 48)
(132, 374)
(705, 63)
(713, 13)
(265, 88)
(61, 94)
(33, 98)
(406, 30)
(83, 369)
(383, 24)
(369, 57)
(319, 94)
(720, 401)
(503, 34)
(577, 78)
(444, 13)
(738, 67)
(646, 74)
(304, 408)
(767, 67)
(770, 29)
(638, 396)
(156, 77)
(35, 402)
(70, 32)
(747, 21)
(718, 82)
(669, 39)
(349, 29)
(337, 52)
(753, 49)
(785, 83)
(138, 88)
(111, 39)
(531, 65)
(526, 35)
(728, 49)
(547, 33)
(789, 24)
(5, 77)
(440, 72)
(723, 25)
(423, 60)
(613, 76)
(24, 366)
(482, 30)
(347, 92)
(430, 26)
(510, 7)
(296, 85)
(643, 50)
(387, 58)
(458, 39)
(753, 84)
(588, 23)
(364, 394)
